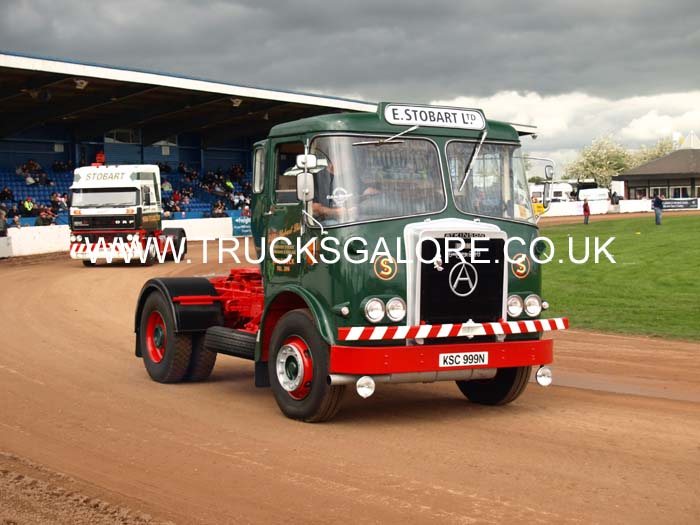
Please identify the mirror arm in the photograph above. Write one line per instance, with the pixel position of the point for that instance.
(313, 219)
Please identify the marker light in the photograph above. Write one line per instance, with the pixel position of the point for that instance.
(533, 305)
(129, 237)
(514, 306)
(374, 310)
(72, 238)
(396, 309)
(79, 238)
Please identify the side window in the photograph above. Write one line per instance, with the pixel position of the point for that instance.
(146, 196)
(286, 172)
(258, 170)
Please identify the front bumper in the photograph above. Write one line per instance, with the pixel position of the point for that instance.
(112, 252)
(375, 360)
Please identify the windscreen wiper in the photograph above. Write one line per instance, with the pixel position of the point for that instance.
(386, 141)
(471, 161)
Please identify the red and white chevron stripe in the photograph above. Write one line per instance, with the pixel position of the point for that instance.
(468, 329)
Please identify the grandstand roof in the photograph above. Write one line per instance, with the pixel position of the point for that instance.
(92, 99)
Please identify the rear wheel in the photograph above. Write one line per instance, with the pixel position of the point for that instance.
(298, 367)
(166, 354)
(201, 361)
(88, 263)
(506, 387)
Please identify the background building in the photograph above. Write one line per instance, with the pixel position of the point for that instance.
(676, 175)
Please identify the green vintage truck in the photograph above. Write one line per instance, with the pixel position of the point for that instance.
(393, 247)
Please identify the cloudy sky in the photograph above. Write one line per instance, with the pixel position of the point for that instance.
(575, 69)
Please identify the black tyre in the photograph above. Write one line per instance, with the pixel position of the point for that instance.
(298, 367)
(166, 354)
(178, 237)
(201, 361)
(506, 387)
(151, 256)
(88, 263)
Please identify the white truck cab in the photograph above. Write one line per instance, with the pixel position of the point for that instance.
(118, 204)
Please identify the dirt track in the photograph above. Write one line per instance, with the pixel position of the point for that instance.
(86, 437)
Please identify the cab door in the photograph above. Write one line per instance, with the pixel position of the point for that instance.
(283, 217)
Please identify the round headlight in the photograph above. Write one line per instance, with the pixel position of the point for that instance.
(374, 310)
(129, 237)
(79, 238)
(396, 309)
(514, 306)
(72, 238)
(533, 305)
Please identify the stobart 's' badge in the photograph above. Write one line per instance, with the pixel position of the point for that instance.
(385, 268)
(520, 266)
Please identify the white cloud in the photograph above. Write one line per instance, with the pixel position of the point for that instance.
(568, 122)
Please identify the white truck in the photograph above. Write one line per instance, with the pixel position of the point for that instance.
(116, 214)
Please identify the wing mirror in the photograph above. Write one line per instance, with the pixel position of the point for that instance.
(306, 161)
(549, 173)
(305, 185)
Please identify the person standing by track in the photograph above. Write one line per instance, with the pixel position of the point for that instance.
(586, 211)
(658, 205)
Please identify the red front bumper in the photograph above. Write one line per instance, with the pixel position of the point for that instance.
(372, 360)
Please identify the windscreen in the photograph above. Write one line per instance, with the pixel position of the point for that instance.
(496, 183)
(361, 179)
(105, 197)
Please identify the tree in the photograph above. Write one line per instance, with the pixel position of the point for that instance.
(601, 161)
(646, 154)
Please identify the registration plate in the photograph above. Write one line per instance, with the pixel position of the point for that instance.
(464, 359)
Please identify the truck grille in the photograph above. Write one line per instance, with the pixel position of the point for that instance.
(107, 222)
(462, 290)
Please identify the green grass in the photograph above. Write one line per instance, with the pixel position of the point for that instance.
(653, 289)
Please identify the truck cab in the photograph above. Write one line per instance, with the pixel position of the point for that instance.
(119, 205)
(387, 256)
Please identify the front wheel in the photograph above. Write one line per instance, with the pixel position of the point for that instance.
(166, 354)
(504, 388)
(298, 366)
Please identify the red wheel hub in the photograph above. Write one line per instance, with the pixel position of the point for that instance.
(294, 367)
(155, 337)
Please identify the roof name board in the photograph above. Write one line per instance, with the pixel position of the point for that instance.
(434, 116)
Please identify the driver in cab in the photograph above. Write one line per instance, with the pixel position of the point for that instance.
(331, 202)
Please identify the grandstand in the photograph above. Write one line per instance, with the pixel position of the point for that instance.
(68, 113)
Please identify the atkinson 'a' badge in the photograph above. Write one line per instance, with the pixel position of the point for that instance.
(463, 279)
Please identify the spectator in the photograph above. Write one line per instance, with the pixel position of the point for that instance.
(63, 202)
(3, 224)
(167, 186)
(245, 212)
(13, 212)
(176, 196)
(658, 205)
(28, 207)
(43, 219)
(44, 180)
(29, 180)
(54, 202)
(586, 211)
(6, 194)
(16, 223)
